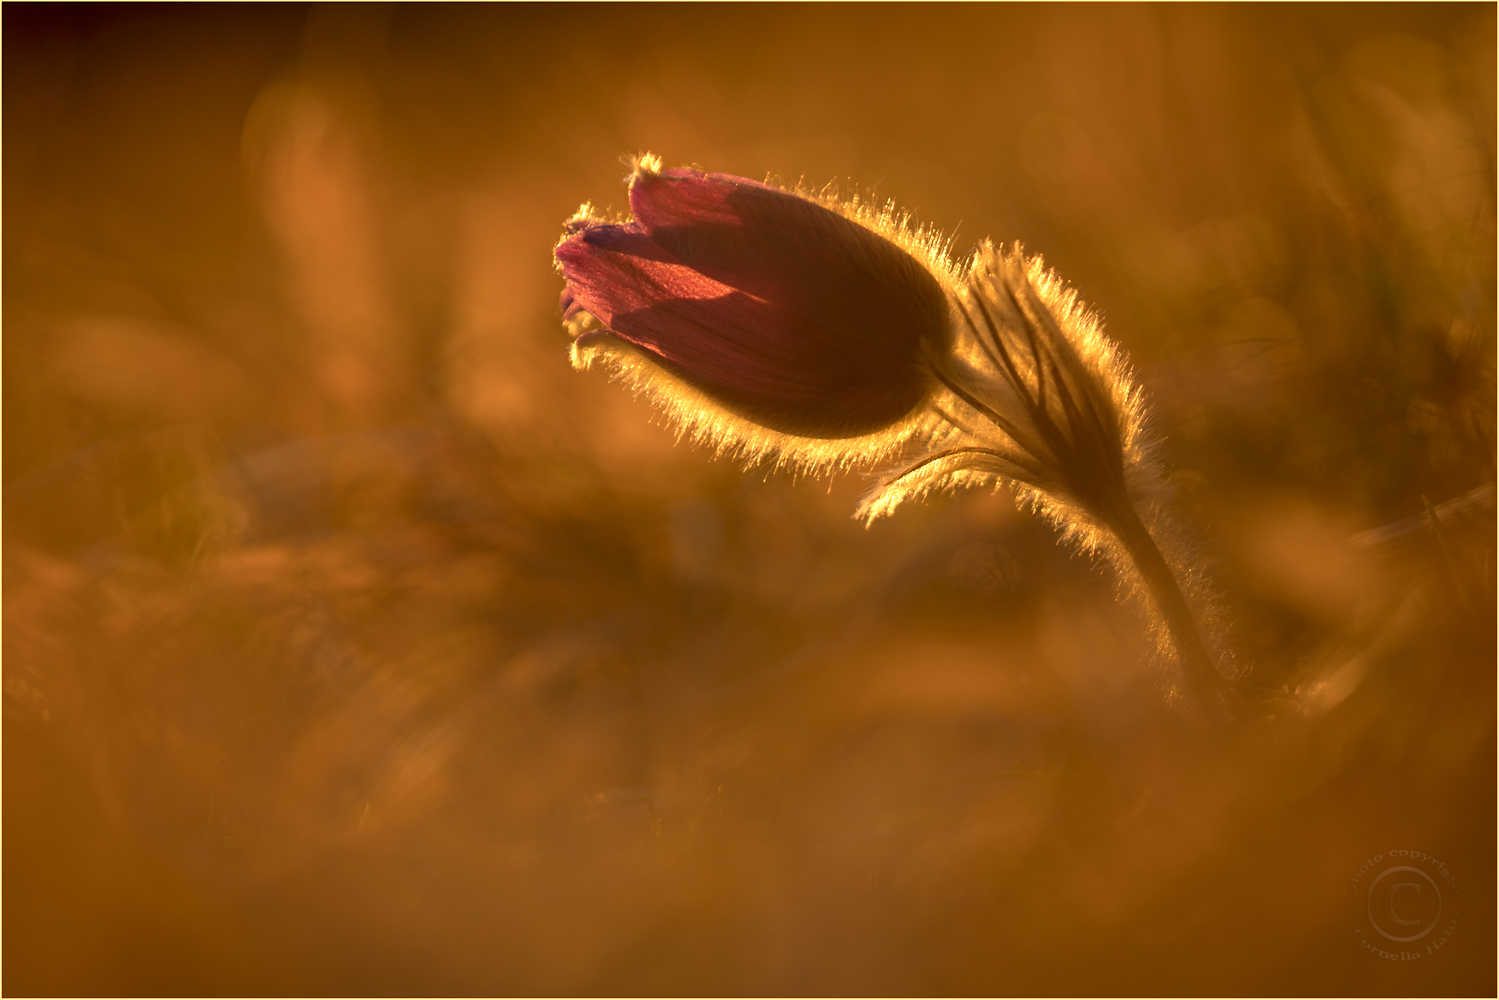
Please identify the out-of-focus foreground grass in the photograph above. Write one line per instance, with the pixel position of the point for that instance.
(355, 644)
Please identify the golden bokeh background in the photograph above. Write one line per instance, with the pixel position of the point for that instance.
(354, 644)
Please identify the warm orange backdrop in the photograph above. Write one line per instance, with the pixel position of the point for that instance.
(354, 643)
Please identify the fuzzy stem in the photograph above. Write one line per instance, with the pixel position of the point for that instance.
(1207, 686)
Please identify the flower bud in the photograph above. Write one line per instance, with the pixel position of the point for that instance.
(767, 305)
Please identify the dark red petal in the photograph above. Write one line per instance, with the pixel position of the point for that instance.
(744, 352)
(686, 197)
(570, 305)
(617, 270)
(630, 239)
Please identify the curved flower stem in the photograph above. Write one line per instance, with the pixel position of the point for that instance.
(1208, 687)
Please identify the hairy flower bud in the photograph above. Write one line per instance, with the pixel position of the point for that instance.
(767, 306)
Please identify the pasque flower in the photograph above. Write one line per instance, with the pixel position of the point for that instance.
(773, 322)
